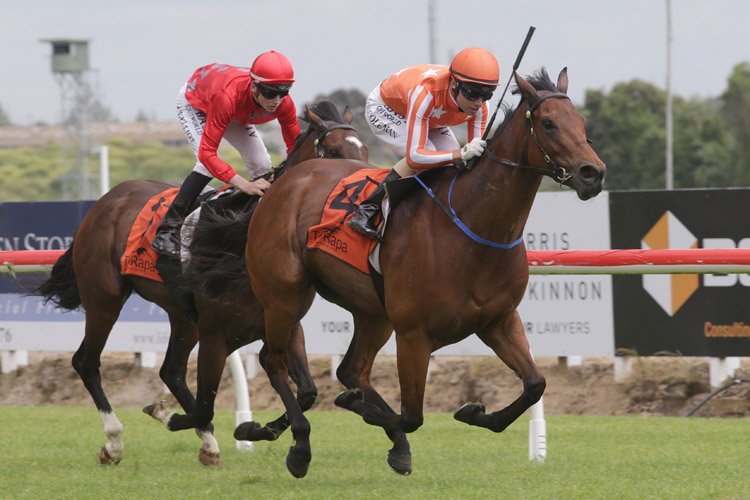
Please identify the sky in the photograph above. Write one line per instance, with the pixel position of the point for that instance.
(143, 51)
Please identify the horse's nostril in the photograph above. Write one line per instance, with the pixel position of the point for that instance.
(589, 173)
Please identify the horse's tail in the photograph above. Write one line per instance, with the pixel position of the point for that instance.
(217, 252)
(61, 287)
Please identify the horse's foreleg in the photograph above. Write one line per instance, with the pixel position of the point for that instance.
(509, 342)
(354, 372)
(212, 355)
(307, 392)
(182, 340)
(413, 357)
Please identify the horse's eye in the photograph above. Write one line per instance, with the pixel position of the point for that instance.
(333, 153)
(548, 124)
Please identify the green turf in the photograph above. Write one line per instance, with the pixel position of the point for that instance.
(51, 453)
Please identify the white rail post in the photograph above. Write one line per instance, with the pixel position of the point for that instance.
(252, 366)
(335, 362)
(721, 369)
(623, 368)
(537, 433)
(103, 170)
(145, 359)
(242, 395)
(9, 362)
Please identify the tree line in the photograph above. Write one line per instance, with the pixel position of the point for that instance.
(711, 140)
(626, 125)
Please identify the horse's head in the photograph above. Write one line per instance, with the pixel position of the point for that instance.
(328, 136)
(559, 138)
(336, 139)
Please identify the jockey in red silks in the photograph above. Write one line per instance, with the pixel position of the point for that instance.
(412, 112)
(222, 101)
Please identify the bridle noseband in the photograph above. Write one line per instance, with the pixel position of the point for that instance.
(319, 153)
(558, 173)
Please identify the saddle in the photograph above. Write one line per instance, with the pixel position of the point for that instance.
(401, 188)
(140, 260)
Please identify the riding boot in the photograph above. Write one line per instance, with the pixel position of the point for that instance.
(363, 218)
(167, 238)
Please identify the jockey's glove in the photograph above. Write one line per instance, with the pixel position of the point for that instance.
(472, 149)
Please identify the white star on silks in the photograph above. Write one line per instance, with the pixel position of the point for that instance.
(431, 72)
(437, 112)
(398, 73)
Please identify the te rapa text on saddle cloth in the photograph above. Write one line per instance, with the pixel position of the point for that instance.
(332, 235)
(139, 258)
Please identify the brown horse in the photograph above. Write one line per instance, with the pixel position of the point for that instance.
(441, 283)
(102, 290)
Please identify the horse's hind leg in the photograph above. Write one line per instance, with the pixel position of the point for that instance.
(509, 342)
(182, 340)
(307, 392)
(370, 334)
(86, 361)
(279, 326)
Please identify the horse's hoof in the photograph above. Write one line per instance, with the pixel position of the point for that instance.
(159, 411)
(297, 463)
(252, 431)
(401, 464)
(347, 398)
(208, 458)
(156, 410)
(468, 411)
(105, 458)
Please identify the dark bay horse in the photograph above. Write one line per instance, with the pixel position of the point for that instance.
(102, 290)
(441, 284)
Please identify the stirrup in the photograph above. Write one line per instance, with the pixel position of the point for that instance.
(367, 228)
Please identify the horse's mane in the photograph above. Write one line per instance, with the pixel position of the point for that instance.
(540, 80)
(217, 265)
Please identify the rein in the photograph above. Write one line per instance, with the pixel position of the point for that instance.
(458, 222)
(320, 138)
(559, 174)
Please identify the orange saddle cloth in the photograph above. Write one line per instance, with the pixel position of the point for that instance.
(139, 258)
(332, 235)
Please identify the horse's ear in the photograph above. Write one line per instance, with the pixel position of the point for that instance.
(348, 115)
(562, 81)
(528, 92)
(314, 119)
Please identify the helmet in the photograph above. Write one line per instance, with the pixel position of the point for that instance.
(475, 65)
(272, 68)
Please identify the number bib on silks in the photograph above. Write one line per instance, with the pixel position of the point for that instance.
(332, 235)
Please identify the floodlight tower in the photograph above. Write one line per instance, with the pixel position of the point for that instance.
(70, 68)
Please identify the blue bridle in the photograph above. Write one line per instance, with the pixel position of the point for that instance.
(458, 222)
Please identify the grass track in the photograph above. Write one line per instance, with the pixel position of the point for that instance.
(51, 453)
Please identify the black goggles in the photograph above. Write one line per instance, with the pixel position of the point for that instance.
(472, 94)
(273, 91)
